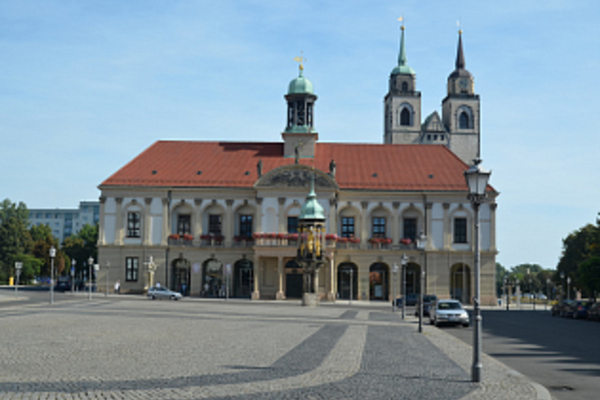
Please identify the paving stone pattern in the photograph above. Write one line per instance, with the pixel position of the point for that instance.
(129, 348)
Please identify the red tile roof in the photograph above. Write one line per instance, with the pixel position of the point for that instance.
(233, 164)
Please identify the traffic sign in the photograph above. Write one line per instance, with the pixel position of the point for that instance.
(18, 265)
(228, 269)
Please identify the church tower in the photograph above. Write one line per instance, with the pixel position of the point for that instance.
(402, 123)
(299, 136)
(461, 111)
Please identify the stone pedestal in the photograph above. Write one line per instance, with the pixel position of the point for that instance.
(331, 297)
(310, 300)
(255, 296)
(279, 296)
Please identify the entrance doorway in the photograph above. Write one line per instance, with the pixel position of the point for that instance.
(293, 280)
(460, 282)
(212, 278)
(347, 281)
(378, 282)
(243, 278)
(181, 276)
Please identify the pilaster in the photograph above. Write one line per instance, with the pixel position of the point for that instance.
(101, 235)
(493, 207)
(146, 228)
(255, 270)
(364, 232)
(447, 233)
(197, 230)
(229, 223)
(332, 216)
(166, 230)
(281, 226)
(119, 222)
(395, 221)
(280, 295)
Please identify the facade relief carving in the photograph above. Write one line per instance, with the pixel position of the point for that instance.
(295, 177)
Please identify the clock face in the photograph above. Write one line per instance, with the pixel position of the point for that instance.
(463, 84)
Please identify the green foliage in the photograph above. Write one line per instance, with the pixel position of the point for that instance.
(81, 246)
(31, 268)
(580, 248)
(15, 238)
(589, 272)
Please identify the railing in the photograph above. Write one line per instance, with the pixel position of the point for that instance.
(181, 242)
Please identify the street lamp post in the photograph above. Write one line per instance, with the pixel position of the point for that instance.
(547, 293)
(421, 246)
(562, 287)
(52, 255)
(568, 288)
(404, 261)
(90, 263)
(507, 288)
(395, 271)
(477, 181)
(351, 284)
(18, 267)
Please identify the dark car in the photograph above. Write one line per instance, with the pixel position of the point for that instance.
(593, 313)
(576, 309)
(428, 300)
(411, 300)
(62, 286)
(560, 308)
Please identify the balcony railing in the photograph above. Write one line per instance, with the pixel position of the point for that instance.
(289, 240)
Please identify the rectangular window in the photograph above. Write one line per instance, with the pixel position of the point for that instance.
(348, 227)
(292, 226)
(214, 224)
(378, 227)
(48, 215)
(131, 269)
(410, 228)
(184, 224)
(460, 230)
(133, 224)
(246, 226)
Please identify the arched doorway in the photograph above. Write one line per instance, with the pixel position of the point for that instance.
(181, 275)
(347, 281)
(212, 278)
(413, 281)
(460, 283)
(243, 278)
(379, 281)
(293, 280)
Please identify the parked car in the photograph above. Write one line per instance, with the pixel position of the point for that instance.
(576, 309)
(560, 307)
(411, 300)
(162, 293)
(428, 300)
(449, 312)
(594, 312)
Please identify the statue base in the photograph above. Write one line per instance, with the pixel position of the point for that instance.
(310, 300)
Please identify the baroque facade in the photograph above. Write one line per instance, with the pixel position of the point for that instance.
(207, 217)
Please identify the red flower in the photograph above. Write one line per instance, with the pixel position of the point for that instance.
(293, 236)
(174, 236)
(270, 235)
(257, 235)
(354, 240)
(405, 241)
(341, 239)
(331, 236)
(187, 236)
(282, 236)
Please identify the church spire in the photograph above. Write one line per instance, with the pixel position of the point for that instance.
(460, 56)
(402, 67)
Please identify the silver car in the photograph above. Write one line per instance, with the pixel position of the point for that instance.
(449, 312)
(162, 293)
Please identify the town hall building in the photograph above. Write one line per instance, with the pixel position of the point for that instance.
(208, 217)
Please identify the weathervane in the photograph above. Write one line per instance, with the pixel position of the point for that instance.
(300, 60)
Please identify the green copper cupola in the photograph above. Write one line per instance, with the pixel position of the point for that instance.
(301, 100)
(311, 209)
(402, 67)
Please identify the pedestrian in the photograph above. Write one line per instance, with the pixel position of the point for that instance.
(118, 287)
(206, 287)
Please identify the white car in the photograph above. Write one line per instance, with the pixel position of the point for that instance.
(449, 312)
(162, 293)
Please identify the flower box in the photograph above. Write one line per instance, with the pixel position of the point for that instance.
(174, 236)
(188, 237)
(405, 241)
(331, 236)
(355, 240)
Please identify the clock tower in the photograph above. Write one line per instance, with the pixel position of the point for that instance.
(402, 113)
(461, 110)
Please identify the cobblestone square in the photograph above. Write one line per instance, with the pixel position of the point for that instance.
(129, 347)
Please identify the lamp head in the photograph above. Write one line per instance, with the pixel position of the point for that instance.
(91, 261)
(477, 179)
(52, 252)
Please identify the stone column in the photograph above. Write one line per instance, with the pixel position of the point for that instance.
(332, 218)
(428, 230)
(166, 229)
(331, 287)
(229, 223)
(101, 235)
(394, 226)
(147, 235)
(280, 295)
(447, 234)
(364, 231)
(197, 229)
(493, 207)
(119, 222)
(281, 223)
(255, 292)
(259, 214)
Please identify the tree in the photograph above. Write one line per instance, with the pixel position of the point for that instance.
(589, 272)
(81, 246)
(501, 273)
(15, 240)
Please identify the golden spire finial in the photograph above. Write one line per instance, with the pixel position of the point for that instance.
(300, 60)
(401, 19)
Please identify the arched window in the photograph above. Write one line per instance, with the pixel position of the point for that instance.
(404, 86)
(405, 117)
(464, 121)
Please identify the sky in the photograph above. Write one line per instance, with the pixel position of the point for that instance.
(85, 86)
